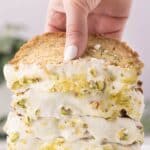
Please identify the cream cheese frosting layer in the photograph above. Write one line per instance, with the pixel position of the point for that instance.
(105, 90)
(30, 143)
(54, 104)
(123, 131)
(94, 69)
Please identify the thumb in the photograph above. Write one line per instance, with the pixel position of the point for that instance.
(76, 29)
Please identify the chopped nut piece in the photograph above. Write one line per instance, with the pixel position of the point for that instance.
(94, 104)
(100, 85)
(78, 85)
(54, 145)
(73, 123)
(85, 125)
(111, 77)
(123, 134)
(97, 46)
(16, 85)
(87, 138)
(60, 140)
(93, 72)
(139, 83)
(27, 120)
(24, 82)
(14, 137)
(21, 103)
(123, 113)
(93, 85)
(37, 112)
(66, 111)
(129, 79)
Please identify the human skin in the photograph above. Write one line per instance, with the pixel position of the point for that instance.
(78, 18)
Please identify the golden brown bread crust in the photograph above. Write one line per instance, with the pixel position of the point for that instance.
(48, 49)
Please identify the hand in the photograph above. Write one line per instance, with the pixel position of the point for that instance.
(80, 17)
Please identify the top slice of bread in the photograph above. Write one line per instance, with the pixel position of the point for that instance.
(48, 49)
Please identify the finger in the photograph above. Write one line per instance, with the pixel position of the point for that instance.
(114, 35)
(92, 23)
(76, 29)
(118, 8)
(55, 20)
(106, 24)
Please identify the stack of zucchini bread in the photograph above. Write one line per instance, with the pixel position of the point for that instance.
(91, 103)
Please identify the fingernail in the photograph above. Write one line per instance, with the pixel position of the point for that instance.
(70, 52)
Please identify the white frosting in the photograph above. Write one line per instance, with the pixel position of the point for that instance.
(11, 74)
(71, 128)
(35, 144)
(38, 97)
(49, 104)
(67, 69)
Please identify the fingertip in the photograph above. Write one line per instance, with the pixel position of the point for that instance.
(76, 26)
(70, 52)
(78, 40)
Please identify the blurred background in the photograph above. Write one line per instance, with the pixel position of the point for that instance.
(21, 20)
